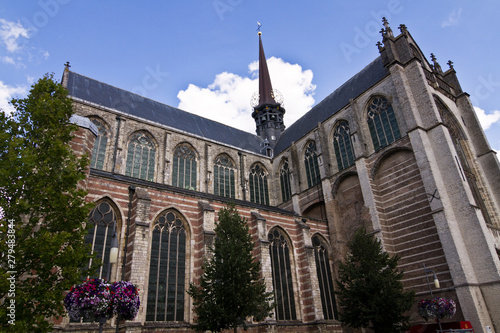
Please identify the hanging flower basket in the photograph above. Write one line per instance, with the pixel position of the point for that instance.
(437, 307)
(125, 300)
(96, 299)
(90, 300)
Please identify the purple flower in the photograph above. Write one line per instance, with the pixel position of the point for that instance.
(125, 300)
(437, 307)
(95, 299)
(91, 299)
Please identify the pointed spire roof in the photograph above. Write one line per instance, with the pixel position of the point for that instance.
(387, 32)
(265, 87)
(437, 67)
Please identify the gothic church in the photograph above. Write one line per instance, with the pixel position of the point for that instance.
(396, 149)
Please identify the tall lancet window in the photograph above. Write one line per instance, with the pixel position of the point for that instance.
(167, 268)
(141, 157)
(101, 142)
(102, 223)
(184, 167)
(464, 155)
(343, 145)
(382, 123)
(259, 192)
(279, 250)
(325, 278)
(286, 190)
(224, 176)
(311, 163)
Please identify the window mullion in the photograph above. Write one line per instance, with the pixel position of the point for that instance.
(158, 272)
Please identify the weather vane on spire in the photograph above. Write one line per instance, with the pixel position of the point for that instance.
(258, 26)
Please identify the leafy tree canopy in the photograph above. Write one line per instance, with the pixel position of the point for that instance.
(41, 233)
(369, 288)
(231, 288)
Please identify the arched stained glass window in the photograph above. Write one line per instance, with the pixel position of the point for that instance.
(141, 157)
(224, 177)
(259, 192)
(325, 278)
(184, 167)
(101, 142)
(286, 190)
(102, 223)
(382, 123)
(311, 163)
(167, 269)
(279, 251)
(343, 145)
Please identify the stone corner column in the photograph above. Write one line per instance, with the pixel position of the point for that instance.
(207, 213)
(262, 250)
(138, 247)
(309, 285)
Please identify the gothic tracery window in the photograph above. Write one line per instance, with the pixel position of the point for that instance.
(101, 142)
(224, 177)
(259, 192)
(311, 164)
(167, 269)
(343, 145)
(325, 278)
(102, 223)
(141, 157)
(184, 167)
(279, 250)
(382, 123)
(461, 146)
(286, 191)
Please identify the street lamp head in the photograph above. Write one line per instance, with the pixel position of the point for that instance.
(436, 282)
(113, 253)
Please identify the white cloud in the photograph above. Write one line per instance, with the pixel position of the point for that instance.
(10, 33)
(489, 119)
(227, 99)
(8, 60)
(453, 18)
(13, 37)
(7, 93)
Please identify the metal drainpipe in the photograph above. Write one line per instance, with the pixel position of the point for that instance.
(242, 177)
(118, 121)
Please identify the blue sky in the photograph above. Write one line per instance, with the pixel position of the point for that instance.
(200, 55)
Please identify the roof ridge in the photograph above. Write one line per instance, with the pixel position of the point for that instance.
(338, 99)
(348, 80)
(106, 95)
(160, 103)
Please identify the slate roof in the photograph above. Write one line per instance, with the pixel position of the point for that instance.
(109, 96)
(93, 91)
(354, 87)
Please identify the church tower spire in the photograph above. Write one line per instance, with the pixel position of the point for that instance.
(267, 105)
(265, 86)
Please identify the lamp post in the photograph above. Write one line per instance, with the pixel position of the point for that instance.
(436, 284)
(113, 259)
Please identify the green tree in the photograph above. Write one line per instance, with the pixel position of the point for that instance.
(231, 288)
(369, 288)
(41, 231)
